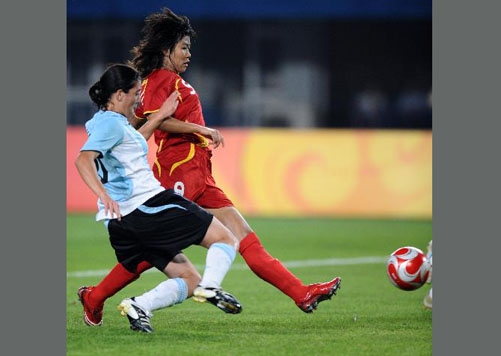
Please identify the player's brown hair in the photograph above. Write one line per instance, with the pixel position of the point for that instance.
(115, 77)
(161, 32)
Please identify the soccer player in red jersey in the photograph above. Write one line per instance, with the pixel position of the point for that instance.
(183, 163)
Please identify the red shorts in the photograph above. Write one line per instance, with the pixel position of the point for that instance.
(187, 169)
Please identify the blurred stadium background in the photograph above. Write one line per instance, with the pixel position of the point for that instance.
(326, 109)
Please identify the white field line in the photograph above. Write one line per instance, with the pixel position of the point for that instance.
(242, 266)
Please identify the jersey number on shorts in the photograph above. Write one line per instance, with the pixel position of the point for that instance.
(179, 188)
(101, 171)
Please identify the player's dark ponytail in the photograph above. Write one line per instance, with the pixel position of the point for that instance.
(115, 77)
(97, 96)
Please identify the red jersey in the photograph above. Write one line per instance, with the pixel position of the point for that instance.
(157, 87)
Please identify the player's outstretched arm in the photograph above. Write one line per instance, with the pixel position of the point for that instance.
(173, 125)
(87, 170)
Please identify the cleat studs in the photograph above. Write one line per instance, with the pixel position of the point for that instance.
(123, 309)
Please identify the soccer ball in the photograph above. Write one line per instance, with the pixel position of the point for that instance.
(408, 268)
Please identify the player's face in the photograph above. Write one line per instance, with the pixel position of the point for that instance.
(131, 98)
(179, 58)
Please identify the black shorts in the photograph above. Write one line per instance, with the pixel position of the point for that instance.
(158, 230)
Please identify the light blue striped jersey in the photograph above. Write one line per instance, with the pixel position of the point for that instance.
(122, 164)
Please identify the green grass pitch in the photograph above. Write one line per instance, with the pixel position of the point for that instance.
(369, 316)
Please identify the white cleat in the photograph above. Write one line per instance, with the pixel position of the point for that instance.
(139, 318)
(218, 297)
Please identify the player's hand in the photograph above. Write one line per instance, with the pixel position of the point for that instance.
(214, 135)
(170, 105)
(111, 206)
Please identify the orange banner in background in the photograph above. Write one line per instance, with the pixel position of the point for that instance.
(276, 172)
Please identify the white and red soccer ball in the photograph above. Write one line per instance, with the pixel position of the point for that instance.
(408, 268)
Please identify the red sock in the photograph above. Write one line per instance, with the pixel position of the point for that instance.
(142, 267)
(270, 269)
(116, 280)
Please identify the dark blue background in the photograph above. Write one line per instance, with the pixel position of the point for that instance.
(221, 9)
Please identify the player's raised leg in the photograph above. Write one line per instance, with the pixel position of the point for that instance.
(271, 269)
(186, 281)
(183, 279)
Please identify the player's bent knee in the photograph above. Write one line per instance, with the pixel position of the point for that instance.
(217, 232)
(229, 238)
(234, 242)
(231, 218)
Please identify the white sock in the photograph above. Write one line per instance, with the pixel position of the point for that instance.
(220, 256)
(166, 294)
(430, 293)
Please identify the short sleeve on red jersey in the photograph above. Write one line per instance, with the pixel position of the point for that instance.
(155, 90)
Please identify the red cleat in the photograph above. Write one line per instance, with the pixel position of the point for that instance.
(92, 316)
(317, 293)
